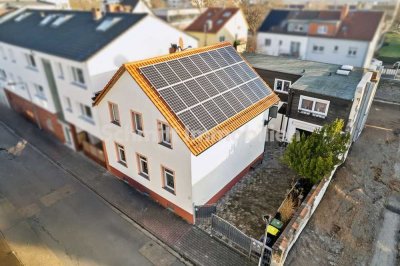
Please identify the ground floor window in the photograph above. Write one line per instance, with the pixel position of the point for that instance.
(143, 166)
(168, 179)
(121, 154)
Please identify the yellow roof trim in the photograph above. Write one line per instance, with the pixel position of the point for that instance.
(203, 142)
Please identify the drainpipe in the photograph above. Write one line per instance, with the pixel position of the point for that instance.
(289, 108)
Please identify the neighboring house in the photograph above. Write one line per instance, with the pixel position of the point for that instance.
(179, 3)
(52, 63)
(219, 25)
(130, 6)
(313, 94)
(348, 37)
(178, 17)
(185, 127)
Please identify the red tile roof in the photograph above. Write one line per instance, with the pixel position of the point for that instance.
(219, 16)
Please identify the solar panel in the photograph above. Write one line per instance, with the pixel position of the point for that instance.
(172, 99)
(200, 63)
(188, 98)
(190, 66)
(218, 84)
(233, 53)
(226, 56)
(241, 73)
(209, 60)
(218, 58)
(167, 73)
(241, 97)
(257, 91)
(207, 86)
(214, 111)
(263, 87)
(196, 90)
(224, 106)
(154, 77)
(191, 123)
(232, 74)
(250, 72)
(225, 78)
(204, 117)
(180, 70)
(249, 93)
(233, 101)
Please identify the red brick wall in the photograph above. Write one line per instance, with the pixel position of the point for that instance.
(47, 120)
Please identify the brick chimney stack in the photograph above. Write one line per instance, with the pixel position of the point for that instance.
(344, 12)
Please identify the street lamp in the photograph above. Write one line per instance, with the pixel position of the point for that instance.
(30, 99)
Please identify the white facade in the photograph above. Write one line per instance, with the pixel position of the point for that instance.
(281, 44)
(236, 27)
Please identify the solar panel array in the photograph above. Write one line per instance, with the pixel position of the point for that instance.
(208, 88)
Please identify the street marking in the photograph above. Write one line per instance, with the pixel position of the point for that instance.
(57, 195)
(382, 128)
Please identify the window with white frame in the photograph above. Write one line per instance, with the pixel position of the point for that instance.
(39, 91)
(322, 29)
(114, 113)
(165, 134)
(60, 71)
(30, 59)
(68, 104)
(318, 49)
(86, 111)
(143, 166)
(169, 179)
(120, 154)
(137, 123)
(281, 85)
(267, 42)
(352, 51)
(3, 75)
(310, 105)
(77, 75)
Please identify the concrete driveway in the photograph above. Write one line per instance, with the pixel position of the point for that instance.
(49, 218)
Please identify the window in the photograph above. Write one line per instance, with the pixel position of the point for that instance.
(22, 16)
(68, 104)
(318, 49)
(222, 38)
(86, 111)
(120, 154)
(281, 85)
(3, 54)
(336, 48)
(315, 106)
(168, 179)
(107, 23)
(39, 91)
(143, 166)
(267, 42)
(61, 19)
(30, 59)
(3, 75)
(114, 113)
(322, 29)
(165, 134)
(280, 42)
(137, 123)
(77, 75)
(12, 57)
(352, 51)
(60, 71)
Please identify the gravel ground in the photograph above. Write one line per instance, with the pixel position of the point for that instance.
(259, 192)
(345, 226)
(388, 90)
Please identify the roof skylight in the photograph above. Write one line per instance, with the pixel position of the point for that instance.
(107, 23)
(22, 16)
(61, 19)
(47, 19)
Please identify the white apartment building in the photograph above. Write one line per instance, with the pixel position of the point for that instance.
(348, 37)
(52, 68)
(185, 127)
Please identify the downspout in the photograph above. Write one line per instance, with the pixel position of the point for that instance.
(289, 108)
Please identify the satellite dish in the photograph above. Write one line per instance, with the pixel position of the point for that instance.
(181, 43)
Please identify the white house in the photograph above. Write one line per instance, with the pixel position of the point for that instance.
(329, 36)
(59, 59)
(185, 127)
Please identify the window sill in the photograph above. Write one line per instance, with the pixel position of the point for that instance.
(144, 176)
(80, 85)
(122, 163)
(140, 133)
(41, 97)
(170, 190)
(87, 119)
(283, 92)
(304, 112)
(167, 145)
(116, 123)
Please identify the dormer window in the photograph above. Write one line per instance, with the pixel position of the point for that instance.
(60, 20)
(219, 21)
(227, 14)
(107, 23)
(322, 29)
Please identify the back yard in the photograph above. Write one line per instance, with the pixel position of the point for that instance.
(390, 51)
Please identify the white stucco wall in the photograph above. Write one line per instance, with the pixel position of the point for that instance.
(215, 167)
(340, 57)
(277, 49)
(294, 123)
(129, 96)
(236, 27)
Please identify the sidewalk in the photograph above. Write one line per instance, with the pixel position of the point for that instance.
(189, 241)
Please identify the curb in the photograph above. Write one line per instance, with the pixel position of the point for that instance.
(386, 102)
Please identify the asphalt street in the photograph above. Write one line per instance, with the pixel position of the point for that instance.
(48, 218)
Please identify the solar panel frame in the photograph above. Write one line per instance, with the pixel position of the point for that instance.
(207, 86)
(179, 70)
(200, 63)
(249, 93)
(186, 95)
(261, 85)
(154, 77)
(233, 101)
(196, 90)
(209, 60)
(228, 82)
(217, 82)
(204, 117)
(233, 53)
(226, 56)
(172, 99)
(225, 107)
(214, 111)
(192, 124)
(218, 58)
(257, 91)
(232, 74)
(168, 74)
(191, 67)
(241, 97)
(250, 72)
(240, 72)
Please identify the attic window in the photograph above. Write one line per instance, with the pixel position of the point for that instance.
(107, 23)
(219, 21)
(22, 16)
(227, 14)
(47, 19)
(60, 20)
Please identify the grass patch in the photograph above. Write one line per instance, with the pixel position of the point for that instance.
(390, 51)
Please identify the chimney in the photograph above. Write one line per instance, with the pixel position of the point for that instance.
(344, 11)
(96, 12)
(173, 49)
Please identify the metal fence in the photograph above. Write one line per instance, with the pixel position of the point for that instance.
(237, 239)
(390, 73)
